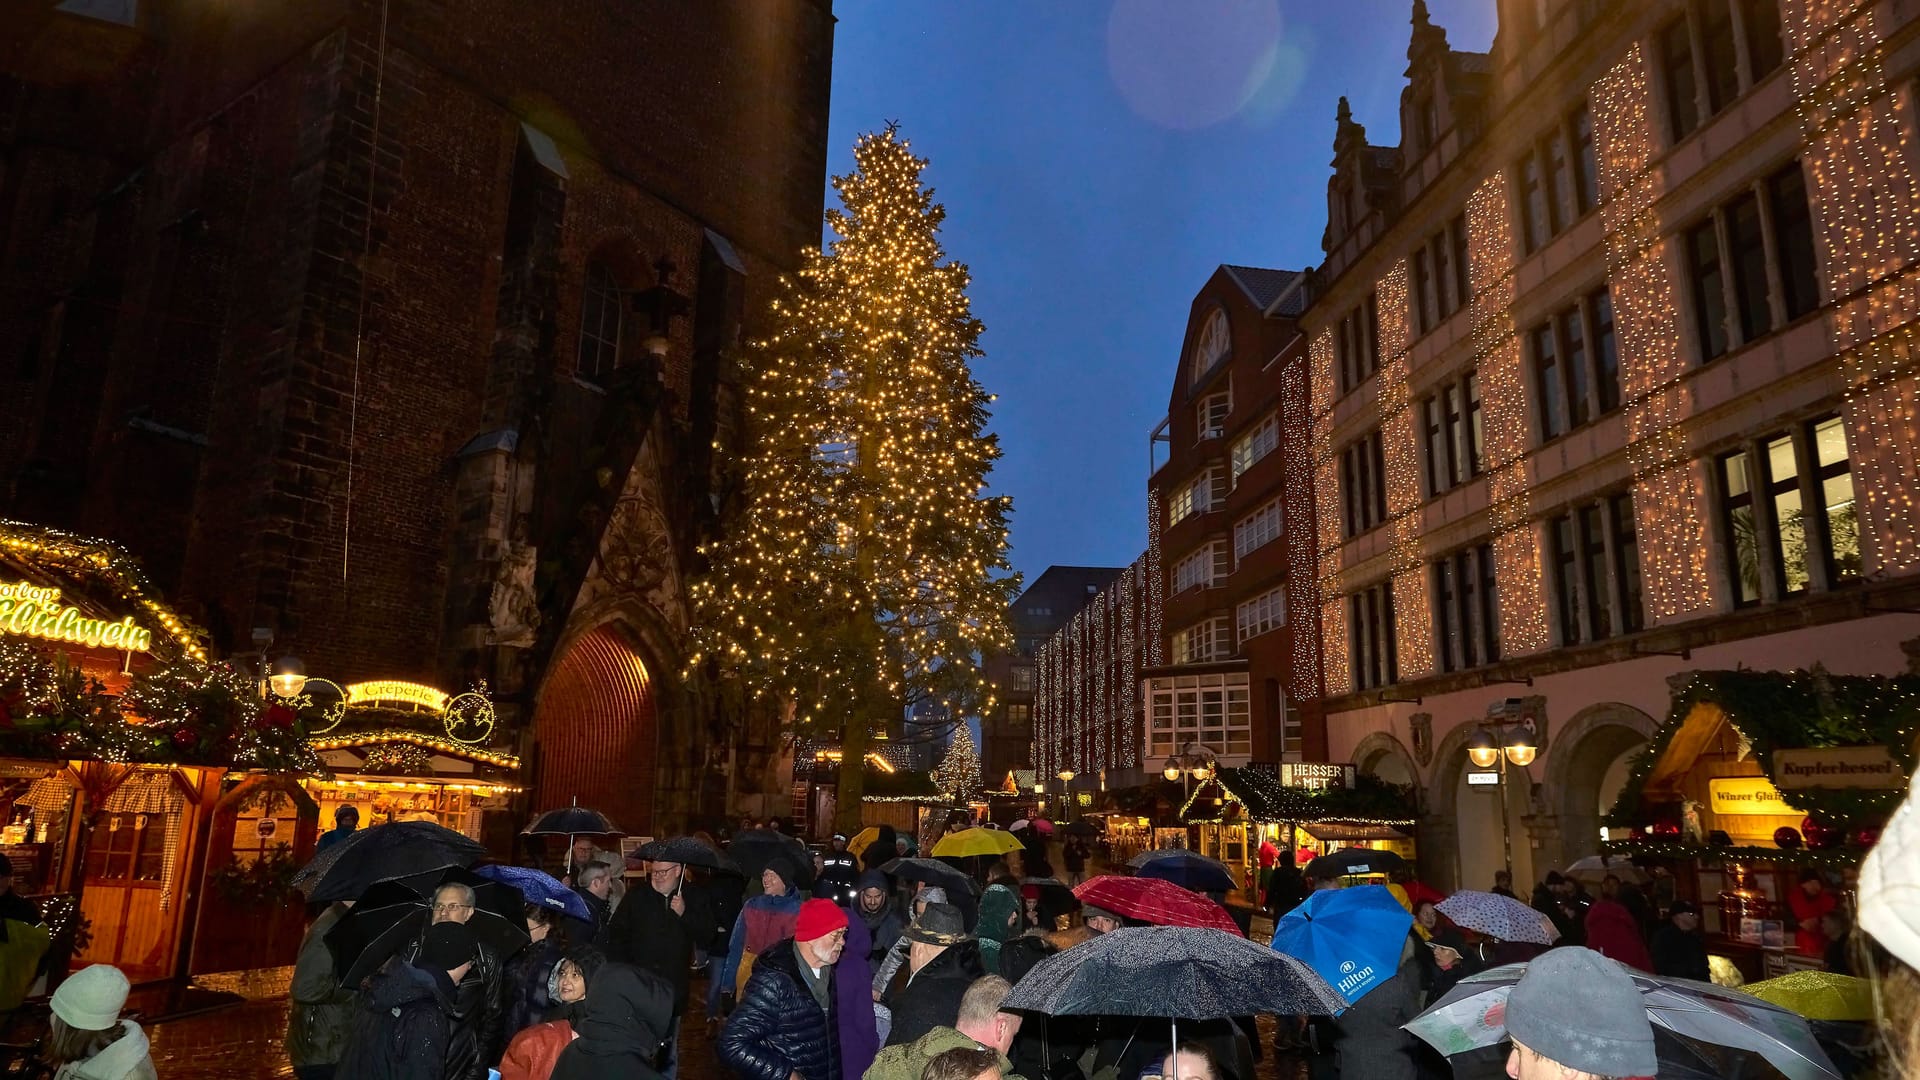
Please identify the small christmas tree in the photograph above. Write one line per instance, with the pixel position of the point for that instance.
(958, 773)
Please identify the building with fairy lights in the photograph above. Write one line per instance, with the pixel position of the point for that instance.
(1036, 615)
(1611, 378)
(1086, 693)
(1217, 516)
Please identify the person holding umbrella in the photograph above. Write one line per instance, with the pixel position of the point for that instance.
(656, 930)
(980, 1025)
(478, 1030)
(407, 1030)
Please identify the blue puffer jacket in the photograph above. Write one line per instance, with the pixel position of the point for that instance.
(778, 1029)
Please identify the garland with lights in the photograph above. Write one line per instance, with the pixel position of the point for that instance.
(1788, 710)
(868, 568)
(1371, 801)
(99, 558)
(1824, 859)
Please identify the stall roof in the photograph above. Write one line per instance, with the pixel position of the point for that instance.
(97, 576)
(1260, 793)
(902, 786)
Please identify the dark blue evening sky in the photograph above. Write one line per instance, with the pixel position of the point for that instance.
(1097, 161)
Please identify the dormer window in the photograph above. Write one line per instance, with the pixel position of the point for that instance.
(1214, 344)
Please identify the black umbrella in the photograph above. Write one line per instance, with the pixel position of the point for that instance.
(1348, 862)
(572, 821)
(1080, 828)
(753, 850)
(1178, 972)
(686, 851)
(391, 915)
(931, 871)
(347, 869)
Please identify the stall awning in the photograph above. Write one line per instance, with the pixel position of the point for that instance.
(1264, 800)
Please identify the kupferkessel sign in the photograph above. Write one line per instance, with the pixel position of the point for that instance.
(1838, 767)
(35, 611)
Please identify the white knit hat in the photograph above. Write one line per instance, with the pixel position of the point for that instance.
(1890, 883)
(91, 998)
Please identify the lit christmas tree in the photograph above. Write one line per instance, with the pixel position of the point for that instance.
(958, 773)
(868, 570)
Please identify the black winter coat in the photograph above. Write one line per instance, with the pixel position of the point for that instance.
(479, 1034)
(778, 1029)
(932, 998)
(404, 1029)
(1679, 954)
(646, 933)
(528, 973)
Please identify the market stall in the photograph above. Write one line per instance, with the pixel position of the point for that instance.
(118, 743)
(1754, 778)
(1236, 810)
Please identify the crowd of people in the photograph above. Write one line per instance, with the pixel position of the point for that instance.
(844, 964)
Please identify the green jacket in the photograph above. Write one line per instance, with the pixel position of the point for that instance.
(908, 1060)
(322, 1008)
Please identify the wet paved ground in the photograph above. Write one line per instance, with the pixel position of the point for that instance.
(245, 1042)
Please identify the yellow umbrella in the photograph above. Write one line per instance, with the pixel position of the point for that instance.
(1817, 995)
(976, 842)
(864, 840)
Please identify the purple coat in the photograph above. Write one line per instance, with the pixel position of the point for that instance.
(853, 1001)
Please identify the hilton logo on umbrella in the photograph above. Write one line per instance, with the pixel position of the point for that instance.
(1351, 975)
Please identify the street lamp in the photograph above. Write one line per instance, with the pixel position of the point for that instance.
(1505, 742)
(289, 677)
(1066, 792)
(1195, 763)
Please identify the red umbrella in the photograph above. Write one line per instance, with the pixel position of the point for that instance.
(1151, 900)
(1041, 825)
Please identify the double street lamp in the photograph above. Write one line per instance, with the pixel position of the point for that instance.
(1501, 743)
(1197, 763)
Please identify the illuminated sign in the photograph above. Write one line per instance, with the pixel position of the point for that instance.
(1315, 775)
(36, 611)
(1483, 779)
(1746, 796)
(395, 692)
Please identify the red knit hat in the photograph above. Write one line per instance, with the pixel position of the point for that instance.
(818, 918)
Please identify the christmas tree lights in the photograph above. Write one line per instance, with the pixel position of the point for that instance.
(958, 774)
(868, 569)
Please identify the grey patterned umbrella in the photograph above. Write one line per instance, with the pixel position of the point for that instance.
(1178, 972)
(1498, 916)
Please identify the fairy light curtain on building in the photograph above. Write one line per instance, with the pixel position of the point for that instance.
(1496, 346)
(1296, 448)
(1865, 203)
(1327, 523)
(1086, 700)
(1401, 454)
(1669, 518)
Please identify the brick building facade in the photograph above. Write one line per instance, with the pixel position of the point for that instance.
(1039, 612)
(1611, 379)
(346, 318)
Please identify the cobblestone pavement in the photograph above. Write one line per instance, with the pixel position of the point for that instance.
(246, 1042)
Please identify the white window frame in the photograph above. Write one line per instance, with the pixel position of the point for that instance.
(1210, 416)
(1216, 341)
(1262, 614)
(1204, 642)
(1204, 568)
(1179, 708)
(1256, 444)
(1257, 530)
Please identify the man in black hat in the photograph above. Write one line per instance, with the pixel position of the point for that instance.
(1099, 919)
(1678, 949)
(942, 961)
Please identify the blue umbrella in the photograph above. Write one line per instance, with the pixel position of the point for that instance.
(539, 887)
(1352, 937)
(1187, 870)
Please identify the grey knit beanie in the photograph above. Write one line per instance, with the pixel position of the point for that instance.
(1582, 1010)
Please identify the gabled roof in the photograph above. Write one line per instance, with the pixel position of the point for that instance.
(1262, 286)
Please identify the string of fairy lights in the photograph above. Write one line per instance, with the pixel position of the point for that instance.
(1400, 453)
(868, 559)
(1327, 520)
(1491, 259)
(1670, 526)
(1865, 198)
(1303, 674)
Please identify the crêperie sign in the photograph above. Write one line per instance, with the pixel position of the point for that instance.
(36, 611)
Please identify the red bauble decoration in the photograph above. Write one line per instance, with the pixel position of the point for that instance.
(279, 716)
(1666, 828)
(1866, 836)
(1820, 837)
(1787, 837)
(185, 738)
